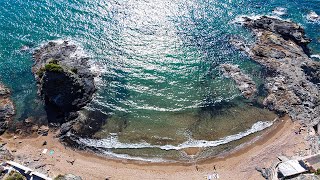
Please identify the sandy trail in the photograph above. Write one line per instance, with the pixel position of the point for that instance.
(280, 140)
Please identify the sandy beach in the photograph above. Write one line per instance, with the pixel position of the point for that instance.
(280, 139)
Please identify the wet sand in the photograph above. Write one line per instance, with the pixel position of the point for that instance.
(281, 139)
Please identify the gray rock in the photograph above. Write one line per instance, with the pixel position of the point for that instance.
(43, 131)
(305, 177)
(5, 154)
(264, 172)
(287, 30)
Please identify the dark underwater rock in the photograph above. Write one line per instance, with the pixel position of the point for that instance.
(64, 79)
(7, 109)
(245, 84)
(293, 87)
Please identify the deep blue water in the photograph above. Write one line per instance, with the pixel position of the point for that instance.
(158, 60)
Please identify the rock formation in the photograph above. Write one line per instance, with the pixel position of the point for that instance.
(64, 79)
(68, 177)
(245, 84)
(293, 79)
(5, 154)
(7, 109)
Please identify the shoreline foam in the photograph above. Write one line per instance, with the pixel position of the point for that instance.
(242, 162)
(105, 145)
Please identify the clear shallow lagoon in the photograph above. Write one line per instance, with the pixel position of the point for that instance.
(160, 83)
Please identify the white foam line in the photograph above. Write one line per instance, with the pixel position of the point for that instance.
(280, 11)
(128, 157)
(240, 19)
(112, 141)
(315, 56)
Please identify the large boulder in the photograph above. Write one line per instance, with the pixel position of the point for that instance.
(64, 78)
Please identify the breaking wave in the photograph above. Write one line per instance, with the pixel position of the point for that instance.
(112, 141)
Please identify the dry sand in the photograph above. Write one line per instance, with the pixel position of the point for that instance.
(281, 139)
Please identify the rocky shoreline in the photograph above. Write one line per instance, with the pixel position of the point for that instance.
(293, 78)
(7, 109)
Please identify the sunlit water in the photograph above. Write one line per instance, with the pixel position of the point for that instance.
(160, 84)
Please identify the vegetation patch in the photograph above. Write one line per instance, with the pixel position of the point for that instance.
(52, 66)
(59, 177)
(15, 176)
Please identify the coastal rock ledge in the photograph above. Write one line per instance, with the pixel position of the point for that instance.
(64, 79)
(292, 80)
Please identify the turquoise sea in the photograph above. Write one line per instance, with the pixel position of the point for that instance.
(159, 81)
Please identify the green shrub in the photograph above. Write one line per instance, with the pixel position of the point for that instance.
(15, 176)
(51, 67)
(317, 172)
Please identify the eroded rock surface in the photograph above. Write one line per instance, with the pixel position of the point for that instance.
(293, 79)
(7, 109)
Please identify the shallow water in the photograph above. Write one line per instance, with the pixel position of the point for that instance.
(160, 83)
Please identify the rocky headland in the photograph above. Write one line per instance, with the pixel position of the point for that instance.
(7, 109)
(66, 84)
(292, 78)
(65, 81)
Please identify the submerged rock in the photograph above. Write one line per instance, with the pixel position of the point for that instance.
(279, 11)
(64, 78)
(7, 109)
(245, 84)
(293, 86)
(313, 17)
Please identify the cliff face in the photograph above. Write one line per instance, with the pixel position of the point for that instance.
(64, 79)
(7, 109)
(293, 80)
